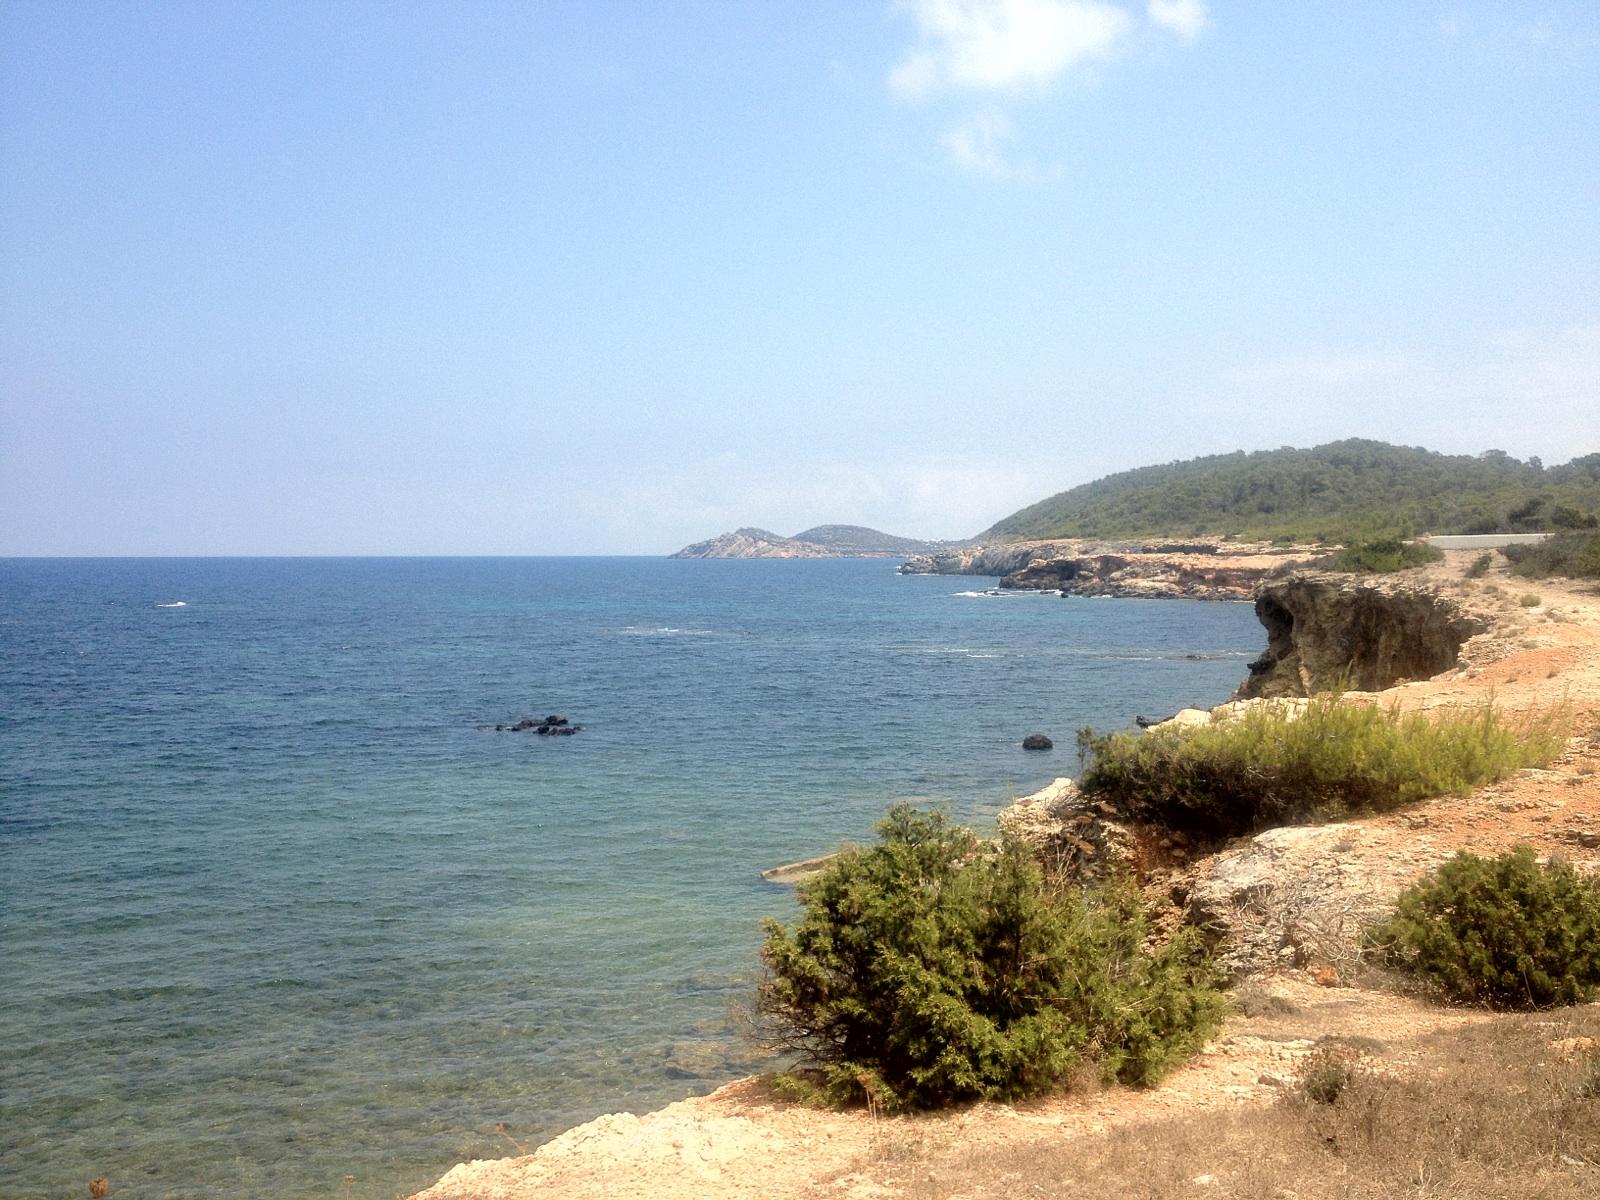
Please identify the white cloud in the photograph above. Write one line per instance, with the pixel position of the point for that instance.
(1186, 18)
(1004, 45)
(979, 145)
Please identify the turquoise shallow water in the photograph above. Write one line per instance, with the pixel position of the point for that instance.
(280, 919)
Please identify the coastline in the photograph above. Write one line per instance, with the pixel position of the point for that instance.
(1131, 570)
(742, 1141)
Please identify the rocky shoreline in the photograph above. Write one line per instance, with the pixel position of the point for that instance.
(1201, 570)
(1291, 900)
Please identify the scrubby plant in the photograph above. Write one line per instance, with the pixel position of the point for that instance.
(1528, 600)
(1326, 1072)
(1480, 566)
(1277, 764)
(1573, 554)
(1385, 555)
(1504, 932)
(934, 967)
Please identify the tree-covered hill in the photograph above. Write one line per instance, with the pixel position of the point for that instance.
(859, 537)
(1328, 493)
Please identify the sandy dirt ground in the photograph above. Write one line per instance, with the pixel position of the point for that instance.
(744, 1142)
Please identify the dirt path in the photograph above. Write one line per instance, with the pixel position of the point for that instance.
(742, 1142)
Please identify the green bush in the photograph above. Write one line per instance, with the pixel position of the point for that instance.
(1503, 932)
(1528, 600)
(934, 968)
(1480, 566)
(1278, 764)
(1385, 555)
(1574, 554)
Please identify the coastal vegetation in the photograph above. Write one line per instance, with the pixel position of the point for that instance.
(1574, 554)
(1338, 492)
(1319, 759)
(1383, 556)
(1506, 932)
(934, 967)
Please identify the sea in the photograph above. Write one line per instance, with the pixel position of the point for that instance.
(283, 915)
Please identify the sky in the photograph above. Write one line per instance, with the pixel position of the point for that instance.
(596, 278)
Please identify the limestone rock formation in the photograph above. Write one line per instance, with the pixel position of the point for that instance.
(1295, 896)
(1140, 575)
(1073, 836)
(1326, 631)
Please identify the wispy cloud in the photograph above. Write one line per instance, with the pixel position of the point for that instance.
(1009, 49)
(1186, 18)
(982, 145)
(1004, 45)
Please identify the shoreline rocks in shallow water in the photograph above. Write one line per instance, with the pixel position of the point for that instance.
(550, 726)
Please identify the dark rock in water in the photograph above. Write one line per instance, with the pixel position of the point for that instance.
(1144, 722)
(1037, 741)
(549, 726)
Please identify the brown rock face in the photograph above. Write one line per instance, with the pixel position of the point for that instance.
(1326, 631)
(1139, 575)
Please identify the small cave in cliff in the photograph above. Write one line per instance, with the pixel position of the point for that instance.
(1326, 633)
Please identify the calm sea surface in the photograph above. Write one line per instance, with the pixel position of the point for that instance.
(278, 917)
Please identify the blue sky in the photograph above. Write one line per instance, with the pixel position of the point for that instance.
(609, 278)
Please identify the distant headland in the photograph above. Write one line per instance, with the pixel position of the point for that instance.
(821, 541)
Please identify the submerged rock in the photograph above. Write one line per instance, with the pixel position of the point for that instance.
(1037, 741)
(551, 726)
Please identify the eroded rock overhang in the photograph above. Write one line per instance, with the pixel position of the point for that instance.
(1328, 631)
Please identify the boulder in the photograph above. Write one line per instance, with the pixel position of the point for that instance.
(556, 726)
(1074, 837)
(1037, 741)
(1299, 895)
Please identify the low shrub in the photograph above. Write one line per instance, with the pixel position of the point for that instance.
(1573, 554)
(1528, 600)
(1385, 555)
(1278, 764)
(1504, 932)
(1480, 566)
(1326, 1072)
(933, 967)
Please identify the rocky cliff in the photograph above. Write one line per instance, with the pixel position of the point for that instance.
(1190, 570)
(1326, 630)
(1142, 575)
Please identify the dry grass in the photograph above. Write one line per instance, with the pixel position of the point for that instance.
(1504, 1110)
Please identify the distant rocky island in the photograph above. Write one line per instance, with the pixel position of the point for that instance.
(821, 541)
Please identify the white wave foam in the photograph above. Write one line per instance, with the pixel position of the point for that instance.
(175, 604)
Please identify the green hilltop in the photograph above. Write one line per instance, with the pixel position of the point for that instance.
(860, 538)
(1334, 492)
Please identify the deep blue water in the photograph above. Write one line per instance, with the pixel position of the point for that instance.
(278, 918)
